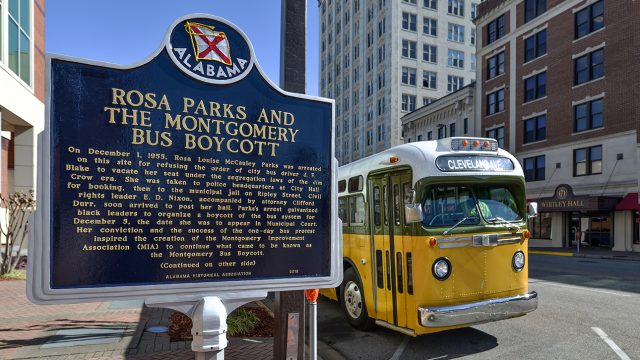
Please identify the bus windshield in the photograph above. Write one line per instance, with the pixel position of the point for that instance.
(449, 205)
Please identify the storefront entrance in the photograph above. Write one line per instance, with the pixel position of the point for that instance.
(591, 229)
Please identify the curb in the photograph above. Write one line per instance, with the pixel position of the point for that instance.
(587, 256)
(556, 253)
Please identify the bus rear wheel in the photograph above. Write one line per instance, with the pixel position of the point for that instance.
(353, 302)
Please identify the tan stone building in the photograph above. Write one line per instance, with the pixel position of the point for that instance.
(557, 85)
(451, 115)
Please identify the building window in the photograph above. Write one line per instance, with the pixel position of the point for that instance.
(409, 49)
(495, 65)
(452, 129)
(19, 37)
(454, 83)
(380, 133)
(534, 168)
(381, 53)
(498, 134)
(381, 106)
(456, 7)
(408, 75)
(369, 137)
(535, 46)
(535, 87)
(412, 2)
(588, 115)
(382, 27)
(587, 161)
(473, 62)
(430, 135)
(456, 33)
(636, 227)
(590, 19)
(381, 80)
(431, 4)
(589, 67)
(442, 131)
(409, 21)
(427, 100)
(420, 137)
(408, 102)
(430, 53)
(495, 102)
(540, 226)
(429, 79)
(465, 125)
(473, 36)
(430, 26)
(535, 129)
(455, 59)
(534, 8)
(474, 10)
(495, 29)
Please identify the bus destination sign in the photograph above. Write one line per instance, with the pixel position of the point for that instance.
(474, 163)
(190, 171)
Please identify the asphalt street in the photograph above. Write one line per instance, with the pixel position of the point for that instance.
(588, 309)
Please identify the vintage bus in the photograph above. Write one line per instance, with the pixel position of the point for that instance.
(434, 237)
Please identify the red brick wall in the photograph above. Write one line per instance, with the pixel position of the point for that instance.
(489, 85)
(39, 53)
(621, 54)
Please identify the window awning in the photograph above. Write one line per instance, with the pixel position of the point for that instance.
(628, 202)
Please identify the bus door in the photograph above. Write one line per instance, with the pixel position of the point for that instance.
(390, 281)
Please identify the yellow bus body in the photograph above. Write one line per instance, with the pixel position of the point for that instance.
(403, 294)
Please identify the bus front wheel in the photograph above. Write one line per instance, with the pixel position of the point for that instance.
(353, 302)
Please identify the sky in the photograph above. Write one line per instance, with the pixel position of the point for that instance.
(127, 31)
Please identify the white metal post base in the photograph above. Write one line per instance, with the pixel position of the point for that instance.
(209, 317)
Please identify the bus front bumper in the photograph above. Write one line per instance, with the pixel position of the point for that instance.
(478, 312)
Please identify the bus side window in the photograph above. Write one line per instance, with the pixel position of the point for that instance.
(409, 273)
(408, 197)
(342, 211)
(386, 204)
(356, 210)
(379, 269)
(376, 206)
(396, 204)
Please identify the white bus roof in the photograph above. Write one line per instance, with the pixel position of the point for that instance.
(421, 157)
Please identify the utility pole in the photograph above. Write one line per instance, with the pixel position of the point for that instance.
(289, 305)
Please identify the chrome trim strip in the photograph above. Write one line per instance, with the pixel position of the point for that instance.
(478, 312)
(396, 328)
(479, 240)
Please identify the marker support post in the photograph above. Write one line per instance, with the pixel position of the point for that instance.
(209, 317)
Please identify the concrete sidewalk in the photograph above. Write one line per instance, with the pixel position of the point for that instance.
(587, 252)
(107, 330)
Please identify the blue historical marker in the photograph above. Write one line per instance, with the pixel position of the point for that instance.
(189, 173)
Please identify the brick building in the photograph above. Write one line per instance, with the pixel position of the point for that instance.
(557, 85)
(22, 91)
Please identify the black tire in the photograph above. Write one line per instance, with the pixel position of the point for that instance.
(353, 303)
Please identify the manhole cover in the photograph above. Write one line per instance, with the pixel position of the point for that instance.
(158, 329)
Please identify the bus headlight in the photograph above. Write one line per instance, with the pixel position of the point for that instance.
(518, 261)
(441, 269)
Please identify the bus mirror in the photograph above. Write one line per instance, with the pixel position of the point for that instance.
(413, 213)
(532, 209)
